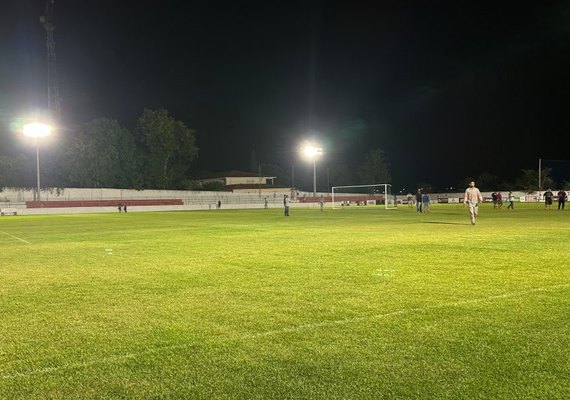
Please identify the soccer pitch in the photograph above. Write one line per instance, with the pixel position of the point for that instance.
(354, 303)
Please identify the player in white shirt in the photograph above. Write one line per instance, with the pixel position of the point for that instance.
(472, 199)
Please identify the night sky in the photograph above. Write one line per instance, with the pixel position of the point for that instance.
(446, 89)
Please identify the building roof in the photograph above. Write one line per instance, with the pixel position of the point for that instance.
(233, 174)
(256, 186)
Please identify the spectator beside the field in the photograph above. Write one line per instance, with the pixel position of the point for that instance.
(125, 207)
(419, 200)
(286, 204)
(548, 196)
(219, 204)
(120, 206)
(472, 199)
(410, 200)
(494, 197)
(561, 199)
(265, 205)
(425, 202)
(511, 199)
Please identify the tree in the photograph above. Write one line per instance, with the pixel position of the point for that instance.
(341, 175)
(487, 182)
(102, 154)
(374, 168)
(462, 184)
(16, 172)
(528, 181)
(169, 148)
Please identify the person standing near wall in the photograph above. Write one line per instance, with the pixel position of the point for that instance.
(286, 204)
(494, 197)
(425, 202)
(511, 199)
(561, 199)
(499, 200)
(419, 200)
(548, 196)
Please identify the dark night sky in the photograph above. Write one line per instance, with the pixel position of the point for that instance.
(447, 89)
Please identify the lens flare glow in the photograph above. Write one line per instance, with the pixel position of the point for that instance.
(37, 130)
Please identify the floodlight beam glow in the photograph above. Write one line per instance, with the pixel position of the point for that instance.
(312, 151)
(37, 130)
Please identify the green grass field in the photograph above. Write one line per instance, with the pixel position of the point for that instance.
(356, 303)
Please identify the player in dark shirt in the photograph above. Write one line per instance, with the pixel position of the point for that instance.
(548, 195)
(561, 199)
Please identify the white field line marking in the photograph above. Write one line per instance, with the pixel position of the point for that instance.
(293, 329)
(346, 321)
(16, 237)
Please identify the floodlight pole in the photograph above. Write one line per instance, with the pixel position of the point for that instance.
(38, 166)
(37, 130)
(313, 152)
(315, 176)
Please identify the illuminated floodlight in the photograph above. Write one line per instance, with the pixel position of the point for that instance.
(37, 130)
(312, 151)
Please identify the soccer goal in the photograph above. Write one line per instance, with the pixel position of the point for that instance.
(364, 195)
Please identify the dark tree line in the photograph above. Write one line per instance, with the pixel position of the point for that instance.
(157, 154)
(527, 181)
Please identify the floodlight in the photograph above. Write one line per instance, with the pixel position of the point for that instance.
(37, 130)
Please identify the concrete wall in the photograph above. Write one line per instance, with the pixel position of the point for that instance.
(192, 200)
(17, 196)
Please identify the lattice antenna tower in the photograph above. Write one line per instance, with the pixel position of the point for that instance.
(54, 102)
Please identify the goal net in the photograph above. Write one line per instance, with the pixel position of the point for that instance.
(364, 195)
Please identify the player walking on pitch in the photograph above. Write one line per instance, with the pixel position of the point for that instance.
(472, 199)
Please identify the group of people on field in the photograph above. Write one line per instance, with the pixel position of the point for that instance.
(549, 197)
(497, 198)
(473, 197)
(421, 200)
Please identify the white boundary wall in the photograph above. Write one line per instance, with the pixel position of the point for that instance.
(193, 200)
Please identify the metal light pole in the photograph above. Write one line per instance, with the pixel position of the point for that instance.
(315, 177)
(38, 166)
(37, 130)
(313, 152)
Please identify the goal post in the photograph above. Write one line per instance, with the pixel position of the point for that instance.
(360, 195)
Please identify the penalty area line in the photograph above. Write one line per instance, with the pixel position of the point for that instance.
(16, 237)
